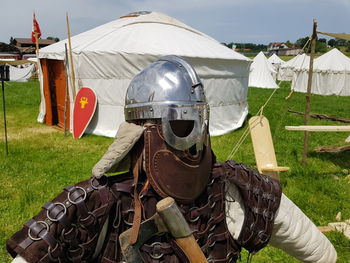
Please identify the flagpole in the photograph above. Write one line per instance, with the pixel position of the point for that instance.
(36, 46)
(36, 39)
(71, 57)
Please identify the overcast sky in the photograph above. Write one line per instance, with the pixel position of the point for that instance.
(242, 21)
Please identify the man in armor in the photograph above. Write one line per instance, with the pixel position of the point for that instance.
(163, 150)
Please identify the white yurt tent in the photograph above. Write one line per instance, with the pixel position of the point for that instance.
(286, 70)
(107, 57)
(276, 61)
(261, 73)
(331, 75)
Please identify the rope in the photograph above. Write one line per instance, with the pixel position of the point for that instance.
(246, 131)
(260, 112)
(238, 144)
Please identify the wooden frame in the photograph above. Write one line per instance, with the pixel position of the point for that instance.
(319, 128)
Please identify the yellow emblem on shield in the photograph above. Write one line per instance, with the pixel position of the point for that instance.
(83, 101)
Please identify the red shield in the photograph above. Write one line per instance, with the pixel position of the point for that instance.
(84, 108)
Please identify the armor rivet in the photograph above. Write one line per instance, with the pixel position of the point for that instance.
(67, 203)
(151, 109)
(185, 111)
(192, 91)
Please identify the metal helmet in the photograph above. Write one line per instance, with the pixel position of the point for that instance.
(170, 90)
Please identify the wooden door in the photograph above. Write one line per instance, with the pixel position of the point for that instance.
(55, 90)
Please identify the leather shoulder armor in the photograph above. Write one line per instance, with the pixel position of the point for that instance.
(67, 228)
(261, 196)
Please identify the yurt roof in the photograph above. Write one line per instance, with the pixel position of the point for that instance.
(144, 33)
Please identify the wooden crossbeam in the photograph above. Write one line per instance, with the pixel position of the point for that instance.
(320, 128)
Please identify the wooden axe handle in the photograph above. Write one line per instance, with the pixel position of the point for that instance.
(179, 229)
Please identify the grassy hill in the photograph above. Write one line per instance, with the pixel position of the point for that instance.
(42, 161)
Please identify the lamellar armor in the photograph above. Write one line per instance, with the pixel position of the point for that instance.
(171, 156)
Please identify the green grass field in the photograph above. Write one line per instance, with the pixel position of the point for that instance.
(42, 161)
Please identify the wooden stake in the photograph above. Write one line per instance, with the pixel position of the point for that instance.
(308, 94)
(71, 57)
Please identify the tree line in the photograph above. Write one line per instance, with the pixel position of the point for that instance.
(322, 45)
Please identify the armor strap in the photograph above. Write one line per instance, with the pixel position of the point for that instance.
(137, 201)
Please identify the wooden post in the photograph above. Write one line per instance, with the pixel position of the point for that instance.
(66, 93)
(71, 57)
(308, 94)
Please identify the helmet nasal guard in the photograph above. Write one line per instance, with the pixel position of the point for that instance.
(170, 90)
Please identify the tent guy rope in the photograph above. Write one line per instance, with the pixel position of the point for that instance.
(260, 111)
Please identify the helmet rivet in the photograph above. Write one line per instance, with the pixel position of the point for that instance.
(151, 109)
(185, 111)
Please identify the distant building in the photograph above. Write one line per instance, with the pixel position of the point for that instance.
(281, 49)
(273, 47)
(26, 46)
(9, 52)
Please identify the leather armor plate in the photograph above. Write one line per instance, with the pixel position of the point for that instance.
(175, 173)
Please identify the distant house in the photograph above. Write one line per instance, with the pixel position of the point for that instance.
(273, 47)
(26, 46)
(9, 52)
(281, 49)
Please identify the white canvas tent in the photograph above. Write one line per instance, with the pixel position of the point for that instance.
(331, 75)
(276, 61)
(286, 70)
(261, 73)
(107, 57)
(21, 74)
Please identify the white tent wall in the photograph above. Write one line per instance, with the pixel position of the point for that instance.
(331, 75)
(226, 90)
(21, 74)
(286, 70)
(225, 85)
(108, 57)
(323, 83)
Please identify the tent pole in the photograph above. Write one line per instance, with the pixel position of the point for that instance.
(71, 57)
(66, 94)
(4, 109)
(308, 94)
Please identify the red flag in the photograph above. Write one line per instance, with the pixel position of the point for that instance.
(35, 29)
